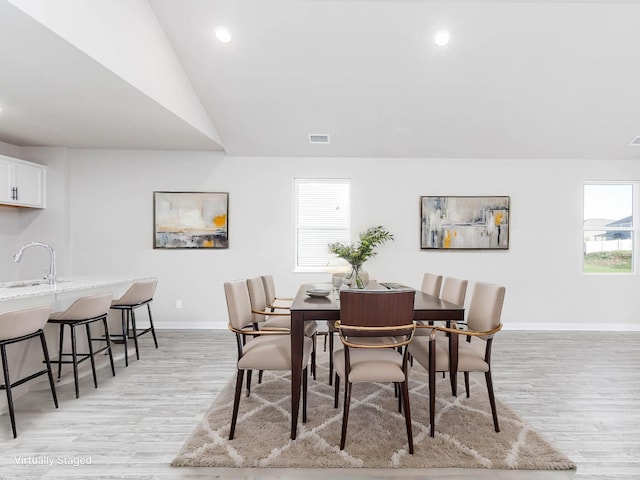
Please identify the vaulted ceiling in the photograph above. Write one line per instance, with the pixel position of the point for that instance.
(519, 79)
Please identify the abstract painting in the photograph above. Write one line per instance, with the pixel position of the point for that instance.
(464, 223)
(190, 220)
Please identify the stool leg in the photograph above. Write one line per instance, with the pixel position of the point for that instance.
(74, 356)
(153, 330)
(124, 336)
(91, 357)
(106, 337)
(135, 333)
(45, 352)
(60, 349)
(7, 386)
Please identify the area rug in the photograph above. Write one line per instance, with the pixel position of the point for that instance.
(376, 435)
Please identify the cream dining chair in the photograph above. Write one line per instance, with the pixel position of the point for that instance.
(431, 284)
(258, 349)
(374, 325)
(473, 343)
(266, 319)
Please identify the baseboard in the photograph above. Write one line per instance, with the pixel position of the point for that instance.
(576, 327)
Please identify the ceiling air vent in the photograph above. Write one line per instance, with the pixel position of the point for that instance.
(635, 142)
(319, 138)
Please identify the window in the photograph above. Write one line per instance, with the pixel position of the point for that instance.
(322, 215)
(609, 227)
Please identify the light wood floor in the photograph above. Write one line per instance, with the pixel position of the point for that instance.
(581, 390)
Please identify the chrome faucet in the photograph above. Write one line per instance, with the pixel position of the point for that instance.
(51, 275)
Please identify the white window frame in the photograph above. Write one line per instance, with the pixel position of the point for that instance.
(633, 229)
(342, 234)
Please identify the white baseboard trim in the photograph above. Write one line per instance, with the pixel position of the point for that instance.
(190, 325)
(575, 327)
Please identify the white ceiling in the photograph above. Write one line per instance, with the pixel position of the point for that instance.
(539, 79)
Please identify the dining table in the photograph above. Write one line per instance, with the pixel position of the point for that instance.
(305, 308)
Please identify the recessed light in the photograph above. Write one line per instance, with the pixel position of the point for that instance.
(635, 142)
(442, 37)
(223, 35)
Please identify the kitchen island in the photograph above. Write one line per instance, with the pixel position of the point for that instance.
(26, 357)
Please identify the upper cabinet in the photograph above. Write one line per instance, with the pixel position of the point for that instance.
(22, 184)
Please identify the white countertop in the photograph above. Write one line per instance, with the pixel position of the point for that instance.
(26, 288)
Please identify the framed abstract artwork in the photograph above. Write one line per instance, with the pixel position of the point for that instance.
(191, 220)
(464, 223)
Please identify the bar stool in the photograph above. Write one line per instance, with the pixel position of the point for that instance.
(84, 311)
(138, 294)
(18, 326)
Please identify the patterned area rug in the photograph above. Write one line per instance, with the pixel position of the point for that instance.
(376, 436)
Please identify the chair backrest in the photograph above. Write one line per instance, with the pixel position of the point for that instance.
(269, 288)
(83, 308)
(376, 308)
(454, 290)
(23, 322)
(486, 307)
(257, 297)
(138, 292)
(238, 304)
(431, 284)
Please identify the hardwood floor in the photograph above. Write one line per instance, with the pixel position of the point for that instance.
(579, 389)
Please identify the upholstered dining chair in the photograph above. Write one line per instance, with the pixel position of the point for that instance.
(374, 325)
(473, 343)
(140, 293)
(431, 284)
(20, 326)
(454, 290)
(266, 319)
(274, 302)
(268, 349)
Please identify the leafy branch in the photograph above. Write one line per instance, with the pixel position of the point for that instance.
(357, 254)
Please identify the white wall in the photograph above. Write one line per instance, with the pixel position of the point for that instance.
(110, 228)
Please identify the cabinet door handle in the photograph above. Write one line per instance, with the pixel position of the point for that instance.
(14, 193)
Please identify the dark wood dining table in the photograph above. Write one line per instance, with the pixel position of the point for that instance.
(306, 308)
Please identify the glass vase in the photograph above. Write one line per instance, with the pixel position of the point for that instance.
(357, 278)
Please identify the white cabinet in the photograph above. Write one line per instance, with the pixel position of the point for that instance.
(22, 183)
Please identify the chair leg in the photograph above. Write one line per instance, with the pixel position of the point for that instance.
(125, 322)
(466, 384)
(249, 382)
(492, 400)
(74, 356)
(260, 372)
(336, 390)
(345, 413)
(108, 340)
(236, 403)
(135, 333)
(153, 330)
(330, 335)
(91, 358)
(432, 387)
(314, 337)
(60, 344)
(7, 386)
(47, 361)
(305, 381)
(407, 414)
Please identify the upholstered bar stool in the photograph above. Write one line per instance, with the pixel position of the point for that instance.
(84, 311)
(138, 294)
(20, 326)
